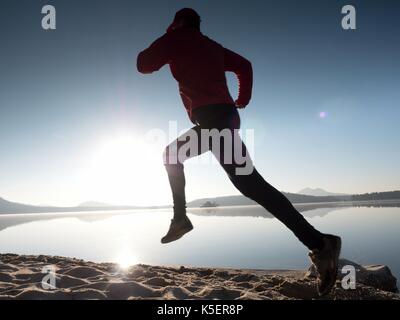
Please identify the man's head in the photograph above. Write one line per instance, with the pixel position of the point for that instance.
(185, 18)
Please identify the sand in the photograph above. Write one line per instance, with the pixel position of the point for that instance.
(21, 278)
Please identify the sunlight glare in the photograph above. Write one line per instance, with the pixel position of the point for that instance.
(126, 259)
(125, 170)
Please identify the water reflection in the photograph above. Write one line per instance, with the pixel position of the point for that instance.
(309, 210)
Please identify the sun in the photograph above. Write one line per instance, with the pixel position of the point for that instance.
(125, 169)
(126, 259)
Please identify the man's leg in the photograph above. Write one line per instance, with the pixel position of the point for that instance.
(176, 177)
(173, 161)
(253, 186)
(257, 189)
(186, 146)
(324, 249)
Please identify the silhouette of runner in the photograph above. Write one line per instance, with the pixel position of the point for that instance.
(199, 65)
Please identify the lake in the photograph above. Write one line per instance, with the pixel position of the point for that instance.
(237, 237)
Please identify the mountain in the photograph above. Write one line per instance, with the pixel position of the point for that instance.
(318, 192)
(8, 207)
(14, 207)
(94, 204)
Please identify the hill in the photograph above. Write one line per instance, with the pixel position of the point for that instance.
(318, 192)
(8, 207)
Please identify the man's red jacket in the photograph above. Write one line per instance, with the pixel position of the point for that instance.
(199, 65)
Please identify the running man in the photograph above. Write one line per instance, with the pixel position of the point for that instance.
(199, 65)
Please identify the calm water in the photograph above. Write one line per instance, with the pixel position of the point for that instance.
(239, 237)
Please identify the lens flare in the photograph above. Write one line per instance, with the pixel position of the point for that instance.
(323, 114)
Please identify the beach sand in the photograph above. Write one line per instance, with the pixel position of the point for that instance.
(21, 278)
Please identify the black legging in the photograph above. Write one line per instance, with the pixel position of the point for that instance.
(252, 185)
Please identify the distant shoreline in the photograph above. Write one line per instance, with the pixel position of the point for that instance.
(302, 207)
(8, 207)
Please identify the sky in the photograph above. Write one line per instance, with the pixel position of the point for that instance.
(74, 112)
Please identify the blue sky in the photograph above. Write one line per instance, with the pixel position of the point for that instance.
(65, 94)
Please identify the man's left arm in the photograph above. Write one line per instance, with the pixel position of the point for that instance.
(244, 72)
(156, 56)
